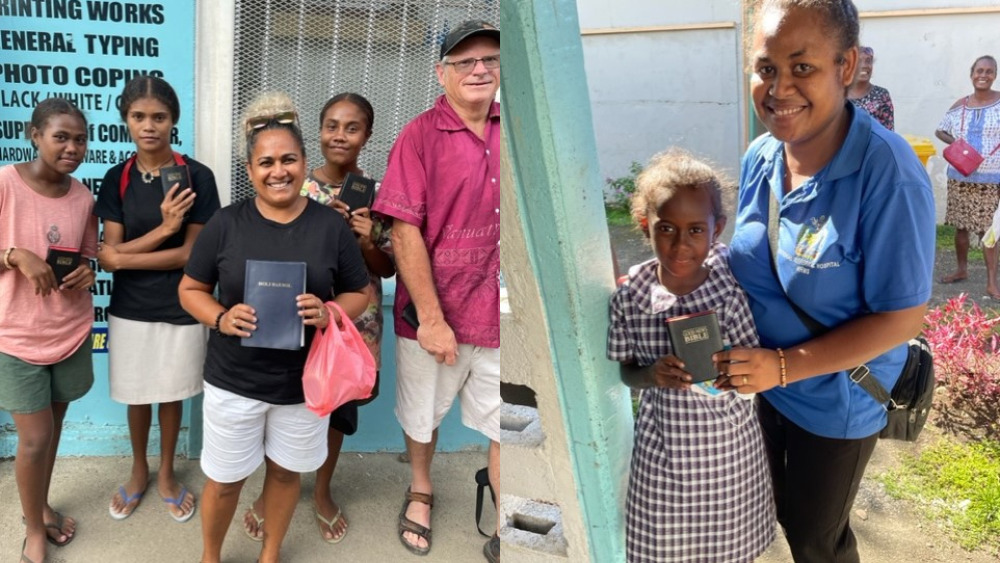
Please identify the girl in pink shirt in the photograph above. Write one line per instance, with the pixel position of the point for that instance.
(47, 235)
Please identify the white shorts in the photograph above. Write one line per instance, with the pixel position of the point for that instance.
(239, 432)
(426, 389)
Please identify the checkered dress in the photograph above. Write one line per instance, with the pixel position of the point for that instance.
(699, 489)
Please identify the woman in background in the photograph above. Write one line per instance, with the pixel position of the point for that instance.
(867, 96)
(972, 199)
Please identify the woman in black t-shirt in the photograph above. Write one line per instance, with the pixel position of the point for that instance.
(156, 349)
(254, 409)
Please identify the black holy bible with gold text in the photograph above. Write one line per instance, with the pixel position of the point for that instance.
(62, 260)
(170, 175)
(357, 191)
(694, 339)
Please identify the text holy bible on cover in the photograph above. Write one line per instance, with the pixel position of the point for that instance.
(170, 175)
(62, 260)
(694, 339)
(271, 288)
(357, 191)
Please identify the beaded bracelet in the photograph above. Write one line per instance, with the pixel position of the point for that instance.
(781, 368)
(6, 258)
(218, 321)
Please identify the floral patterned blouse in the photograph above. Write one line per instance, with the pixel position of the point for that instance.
(878, 103)
(370, 323)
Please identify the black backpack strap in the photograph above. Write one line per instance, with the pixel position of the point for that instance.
(482, 482)
(860, 374)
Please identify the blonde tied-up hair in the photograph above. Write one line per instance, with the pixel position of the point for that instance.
(268, 103)
(672, 170)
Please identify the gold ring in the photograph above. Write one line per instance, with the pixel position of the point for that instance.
(234, 321)
(320, 315)
(745, 380)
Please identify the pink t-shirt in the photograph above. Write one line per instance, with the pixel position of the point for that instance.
(43, 330)
(444, 179)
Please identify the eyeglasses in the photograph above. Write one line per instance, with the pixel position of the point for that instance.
(465, 66)
(261, 121)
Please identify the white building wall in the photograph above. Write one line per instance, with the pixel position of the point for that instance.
(650, 89)
(657, 85)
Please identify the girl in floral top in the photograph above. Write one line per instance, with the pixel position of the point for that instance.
(345, 126)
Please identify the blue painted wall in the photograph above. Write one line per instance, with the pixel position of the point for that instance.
(95, 72)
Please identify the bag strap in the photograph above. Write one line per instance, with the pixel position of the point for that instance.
(961, 128)
(123, 183)
(482, 482)
(858, 374)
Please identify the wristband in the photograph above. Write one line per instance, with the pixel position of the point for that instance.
(218, 321)
(781, 368)
(6, 258)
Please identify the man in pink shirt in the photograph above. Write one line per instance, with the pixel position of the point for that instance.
(441, 190)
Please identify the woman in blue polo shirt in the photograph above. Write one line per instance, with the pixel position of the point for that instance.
(855, 251)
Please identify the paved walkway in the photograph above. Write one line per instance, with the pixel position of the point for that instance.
(369, 488)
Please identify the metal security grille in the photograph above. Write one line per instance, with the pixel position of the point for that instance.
(314, 49)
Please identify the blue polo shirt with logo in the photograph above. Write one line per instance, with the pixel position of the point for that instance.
(857, 237)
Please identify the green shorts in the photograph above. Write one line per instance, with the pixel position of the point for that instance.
(27, 388)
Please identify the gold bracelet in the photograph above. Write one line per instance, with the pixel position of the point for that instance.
(781, 368)
(6, 258)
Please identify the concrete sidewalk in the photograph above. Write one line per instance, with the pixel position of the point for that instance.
(368, 487)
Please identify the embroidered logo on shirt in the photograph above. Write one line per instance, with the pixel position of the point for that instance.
(54, 235)
(811, 241)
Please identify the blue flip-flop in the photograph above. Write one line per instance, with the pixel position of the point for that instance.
(177, 502)
(128, 500)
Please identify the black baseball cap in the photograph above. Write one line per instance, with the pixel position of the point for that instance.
(466, 30)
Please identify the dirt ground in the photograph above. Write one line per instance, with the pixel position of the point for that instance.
(888, 530)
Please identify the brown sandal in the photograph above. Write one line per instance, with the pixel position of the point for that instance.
(407, 525)
(25, 558)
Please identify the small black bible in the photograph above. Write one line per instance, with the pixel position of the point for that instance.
(694, 339)
(62, 260)
(170, 175)
(357, 191)
(271, 288)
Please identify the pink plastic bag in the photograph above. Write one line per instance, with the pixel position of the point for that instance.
(339, 368)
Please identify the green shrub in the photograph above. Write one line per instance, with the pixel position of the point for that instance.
(618, 194)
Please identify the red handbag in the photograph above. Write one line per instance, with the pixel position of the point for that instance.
(963, 156)
(339, 368)
(960, 154)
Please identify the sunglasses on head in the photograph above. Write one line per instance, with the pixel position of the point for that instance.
(261, 121)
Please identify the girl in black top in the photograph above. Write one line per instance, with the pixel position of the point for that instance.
(156, 349)
(277, 225)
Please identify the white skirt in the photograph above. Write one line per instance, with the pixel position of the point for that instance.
(154, 362)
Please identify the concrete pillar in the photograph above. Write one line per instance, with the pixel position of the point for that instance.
(567, 442)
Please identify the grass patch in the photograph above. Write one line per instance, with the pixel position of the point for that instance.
(958, 485)
(946, 241)
(617, 216)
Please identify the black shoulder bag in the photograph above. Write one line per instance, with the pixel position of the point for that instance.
(910, 402)
(483, 482)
